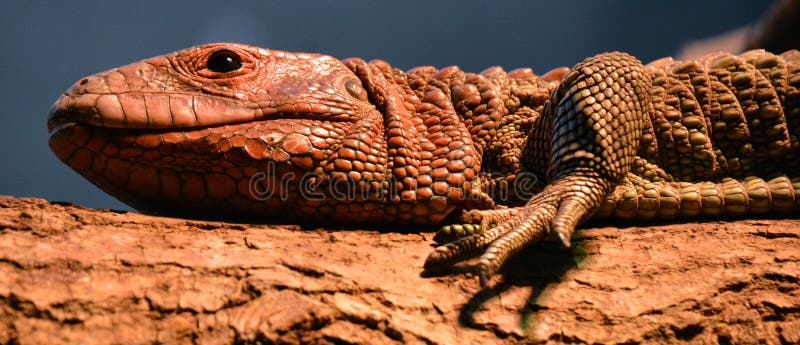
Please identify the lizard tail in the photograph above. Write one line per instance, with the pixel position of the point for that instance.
(641, 199)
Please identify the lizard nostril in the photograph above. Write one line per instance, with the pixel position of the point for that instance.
(83, 81)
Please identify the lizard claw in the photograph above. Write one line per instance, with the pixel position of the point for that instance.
(570, 213)
(565, 238)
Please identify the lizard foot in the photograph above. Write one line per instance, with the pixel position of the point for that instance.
(558, 209)
(593, 128)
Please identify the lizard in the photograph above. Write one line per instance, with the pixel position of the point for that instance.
(235, 131)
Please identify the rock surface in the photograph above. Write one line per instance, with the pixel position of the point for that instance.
(70, 274)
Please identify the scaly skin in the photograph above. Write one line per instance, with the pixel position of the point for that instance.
(229, 130)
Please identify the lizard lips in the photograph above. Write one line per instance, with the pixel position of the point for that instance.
(149, 110)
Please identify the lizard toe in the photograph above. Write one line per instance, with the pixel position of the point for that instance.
(531, 226)
(486, 218)
(464, 248)
(452, 232)
(474, 222)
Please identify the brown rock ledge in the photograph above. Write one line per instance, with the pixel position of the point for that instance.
(70, 274)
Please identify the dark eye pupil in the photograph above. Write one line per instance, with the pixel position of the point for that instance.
(224, 61)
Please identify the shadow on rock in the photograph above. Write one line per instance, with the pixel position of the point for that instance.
(536, 267)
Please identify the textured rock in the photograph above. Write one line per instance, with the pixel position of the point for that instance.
(70, 274)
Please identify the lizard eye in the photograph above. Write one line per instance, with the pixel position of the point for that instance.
(354, 89)
(224, 61)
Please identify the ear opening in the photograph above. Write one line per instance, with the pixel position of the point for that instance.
(382, 94)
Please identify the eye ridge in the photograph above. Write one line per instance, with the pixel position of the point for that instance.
(224, 61)
(355, 89)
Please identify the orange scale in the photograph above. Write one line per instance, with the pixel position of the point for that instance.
(96, 144)
(144, 182)
(172, 137)
(151, 155)
(110, 150)
(255, 148)
(296, 144)
(219, 185)
(455, 166)
(131, 152)
(81, 160)
(421, 210)
(197, 135)
(439, 173)
(320, 132)
(439, 188)
(456, 179)
(79, 136)
(304, 163)
(424, 193)
(280, 155)
(170, 184)
(238, 141)
(235, 173)
(117, 171)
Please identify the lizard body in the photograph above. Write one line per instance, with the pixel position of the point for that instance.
(229, 130)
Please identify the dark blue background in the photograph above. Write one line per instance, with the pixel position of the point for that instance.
(46, 46)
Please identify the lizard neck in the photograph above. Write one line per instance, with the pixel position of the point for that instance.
(499, 109)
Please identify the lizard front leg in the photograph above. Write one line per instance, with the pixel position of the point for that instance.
(592, 128)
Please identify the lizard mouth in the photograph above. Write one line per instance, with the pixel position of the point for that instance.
(191, 168)
(56, 125)
(60, 118)
(195, 112)
(179, 171)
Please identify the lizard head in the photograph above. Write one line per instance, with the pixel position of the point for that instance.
(230, 130)
(220, 129)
